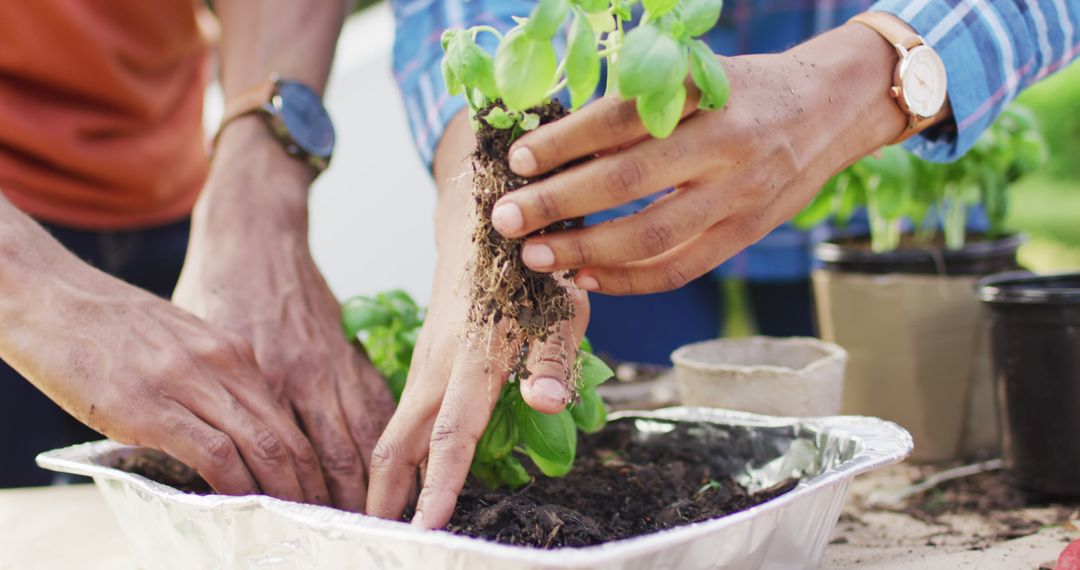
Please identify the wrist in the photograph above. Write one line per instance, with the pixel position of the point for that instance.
(854, 69)
(254, 184)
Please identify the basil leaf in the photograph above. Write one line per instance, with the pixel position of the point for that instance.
(591, 6)
(586, 345)
(650, 61)
(700, 16)
(550, 439)
(472, 66)
(709, 77)
(362, 314)
(499, 437)
(453, 86)
(582, 61)
(498, 117)
(396, 382)
(594, 371)
(589, 413)
(402, 307)
(852, 195)
(546, 18)
(529, 121)
(524, 70)
(657, 8)
(661, 112)
(511, 472)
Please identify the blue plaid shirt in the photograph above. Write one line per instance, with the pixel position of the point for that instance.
(992, 50)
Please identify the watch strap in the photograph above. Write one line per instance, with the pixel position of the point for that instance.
(903, 38)
(891, 28)
(247, 102)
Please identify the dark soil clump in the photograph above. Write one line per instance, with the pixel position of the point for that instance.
(526, 305)
(163, 469)
(619, 488)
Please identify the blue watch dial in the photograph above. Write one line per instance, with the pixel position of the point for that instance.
(302, 112)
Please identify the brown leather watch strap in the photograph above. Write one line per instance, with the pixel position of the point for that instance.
(248, 101)
(890, 27)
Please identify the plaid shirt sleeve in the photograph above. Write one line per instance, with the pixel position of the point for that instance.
(418, 54)
(992, 50)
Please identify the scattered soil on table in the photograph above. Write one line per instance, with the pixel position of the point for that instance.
(620, 487)
(993, 496)
(524, 304)
(163, 469)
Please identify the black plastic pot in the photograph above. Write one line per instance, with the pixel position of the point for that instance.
(1035, 341)
(852, 255)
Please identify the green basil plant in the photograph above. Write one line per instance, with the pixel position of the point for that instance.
(649, 64)
(387, 326)
(897, 186)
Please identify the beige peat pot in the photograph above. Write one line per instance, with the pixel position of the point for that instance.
(798, 377)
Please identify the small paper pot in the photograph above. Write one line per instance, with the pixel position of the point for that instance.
(796, 377)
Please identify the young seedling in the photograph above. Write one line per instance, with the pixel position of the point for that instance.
(387, 326)
(512, 92)
(896, 186)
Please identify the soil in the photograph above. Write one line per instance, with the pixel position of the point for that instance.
(993, 496)
(909, 241)
(619, 488)
(159, 467)
(524, 304)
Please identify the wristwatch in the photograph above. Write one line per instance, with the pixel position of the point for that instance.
(295, 115)
(919, 80)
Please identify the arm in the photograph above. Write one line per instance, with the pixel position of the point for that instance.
(794, 119)
(249, 268)
(453, 384)
(143, 372)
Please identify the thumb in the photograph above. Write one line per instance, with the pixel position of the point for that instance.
(551, 363)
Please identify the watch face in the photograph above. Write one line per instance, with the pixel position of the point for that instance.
(923, 76)
(305, 118)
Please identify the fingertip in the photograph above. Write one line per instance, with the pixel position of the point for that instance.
(507, 218)
(545, 394)
(522, 161)
(587, 282)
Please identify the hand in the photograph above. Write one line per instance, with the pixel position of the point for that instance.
(793, 120)
(144, 372)
(250, 271)
(454, 382)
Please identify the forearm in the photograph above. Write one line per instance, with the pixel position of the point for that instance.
(296, 41)
(452, 170)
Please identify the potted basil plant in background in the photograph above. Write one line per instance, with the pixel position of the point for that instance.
(900, 299)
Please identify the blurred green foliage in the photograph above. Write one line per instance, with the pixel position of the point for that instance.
(1046, 205)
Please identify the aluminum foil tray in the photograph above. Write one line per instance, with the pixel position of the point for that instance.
(172, 530)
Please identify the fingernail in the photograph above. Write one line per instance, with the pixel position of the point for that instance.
(550, 389)
(506, 218)
(538, 256)
(587, 282)
(418, 519)
(522, 161)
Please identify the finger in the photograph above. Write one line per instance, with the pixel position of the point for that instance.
(208, 451)
(550, 364)
(404, 444)
(324, 422)
(605, 124)
(678, 266)
(305, 461)
(475, 384)
(366, 403)
(669, 221)
(599, 184)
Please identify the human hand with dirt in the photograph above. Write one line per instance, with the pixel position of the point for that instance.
(792, 121)
(143, 372)
(458, 371)
(254, 276)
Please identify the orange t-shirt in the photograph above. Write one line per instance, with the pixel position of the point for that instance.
(101, 110)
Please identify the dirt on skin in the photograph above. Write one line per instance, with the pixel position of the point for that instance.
(618, 488)
(522, 304)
